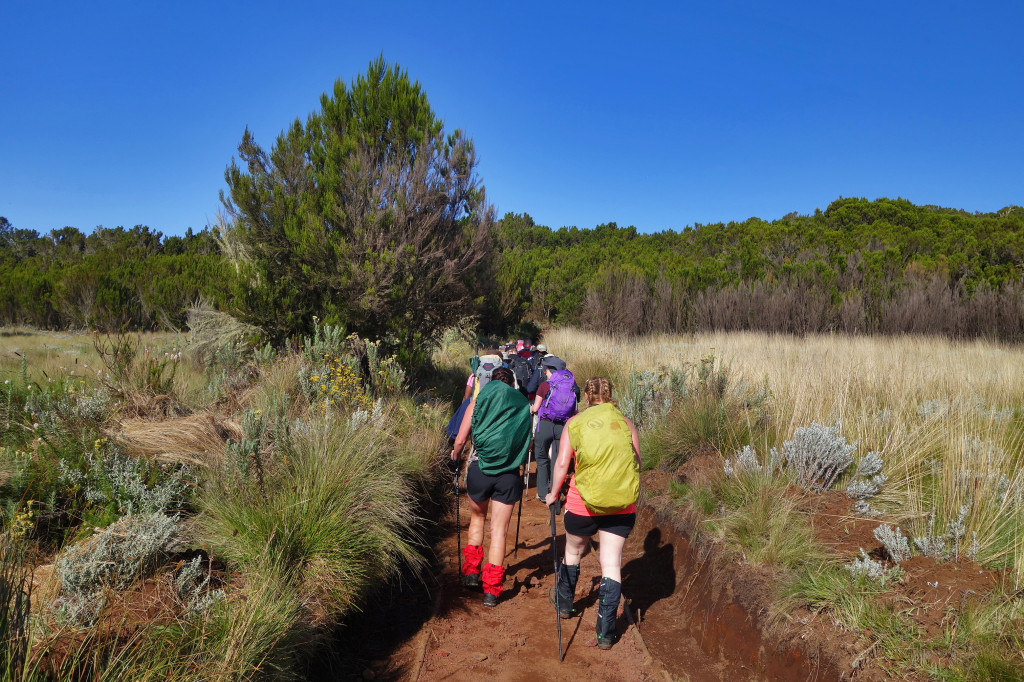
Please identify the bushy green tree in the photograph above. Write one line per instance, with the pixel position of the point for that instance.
(367, 214)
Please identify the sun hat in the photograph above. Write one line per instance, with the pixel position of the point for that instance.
(542, 348)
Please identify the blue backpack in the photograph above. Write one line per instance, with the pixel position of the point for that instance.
(560, 403)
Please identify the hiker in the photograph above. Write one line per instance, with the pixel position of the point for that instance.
(520, 367)
(482, 366)
(602, 499)
(554, 403)
(538, 373)
(498, 422)
(539, 352)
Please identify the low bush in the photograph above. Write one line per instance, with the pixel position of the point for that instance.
(337, 513)
(712, 414)
(113, 559)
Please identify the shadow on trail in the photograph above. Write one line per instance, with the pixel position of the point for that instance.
(368, 640)
(651, 576)
(540, 564)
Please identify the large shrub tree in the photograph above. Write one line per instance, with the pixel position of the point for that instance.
(368, 214)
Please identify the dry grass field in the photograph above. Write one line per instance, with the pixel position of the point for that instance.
(946, 417)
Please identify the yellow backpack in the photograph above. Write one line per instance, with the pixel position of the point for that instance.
(607, 473)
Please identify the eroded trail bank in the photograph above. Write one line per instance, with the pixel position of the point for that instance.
(692, 625)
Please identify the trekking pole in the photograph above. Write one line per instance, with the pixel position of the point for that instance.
(554, 553)
(526, 492)
(458, 517)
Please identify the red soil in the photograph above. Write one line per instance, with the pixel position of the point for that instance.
(689, 626)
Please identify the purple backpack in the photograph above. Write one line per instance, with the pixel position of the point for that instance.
(560, 403)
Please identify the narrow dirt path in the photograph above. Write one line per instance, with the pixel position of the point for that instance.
(517, 640)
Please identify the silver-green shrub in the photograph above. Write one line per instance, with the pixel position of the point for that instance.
(895, 543)
(191, 587)
(935, 546)
(864, 567)
(868, 480)
(374, 417)
(817, 455)
(744, 462)
(112, 476)
(114, 558)
(648, 395)
(327, 339)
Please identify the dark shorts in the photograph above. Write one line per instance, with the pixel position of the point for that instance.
(585, 526)
(506, 487)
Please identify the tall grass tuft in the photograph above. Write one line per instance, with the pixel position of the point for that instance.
(338, 514)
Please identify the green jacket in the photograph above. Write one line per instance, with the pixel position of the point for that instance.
(500, 428)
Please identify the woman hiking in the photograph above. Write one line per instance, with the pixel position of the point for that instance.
(554, 404)
(498, 421)
(602, 499)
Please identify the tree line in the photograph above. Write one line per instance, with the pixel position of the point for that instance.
(863, 267)
(109, 279)
(370, 214)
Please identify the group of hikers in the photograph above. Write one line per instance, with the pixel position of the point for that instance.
(518, 403)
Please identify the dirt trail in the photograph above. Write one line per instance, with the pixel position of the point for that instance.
(517, 640)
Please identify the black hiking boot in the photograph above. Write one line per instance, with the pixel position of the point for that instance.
(490, 599)
(566, 588)
(608, 606)
(471, 580)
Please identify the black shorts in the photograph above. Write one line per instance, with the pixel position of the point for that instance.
(585, 526)
(506, 487)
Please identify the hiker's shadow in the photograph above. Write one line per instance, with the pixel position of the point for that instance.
(539, 565)
(651, 576)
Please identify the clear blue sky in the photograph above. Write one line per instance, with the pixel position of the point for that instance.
(658, 115)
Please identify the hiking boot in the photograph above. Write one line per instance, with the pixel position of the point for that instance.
(608, 606)
(471, 580)
(565, 589)
(490, 599)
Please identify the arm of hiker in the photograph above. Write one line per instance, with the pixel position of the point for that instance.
(469, 386)
(565, 453)
(636, 439)
(536, 404)
(460, 440)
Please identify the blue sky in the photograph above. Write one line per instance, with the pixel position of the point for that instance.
(659, 115)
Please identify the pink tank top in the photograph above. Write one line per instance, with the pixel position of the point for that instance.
(574, 503)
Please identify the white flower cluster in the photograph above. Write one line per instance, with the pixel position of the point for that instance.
(363, 417)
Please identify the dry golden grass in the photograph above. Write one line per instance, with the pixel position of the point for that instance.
(53, 355)
(197, 439)
(945, 416)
